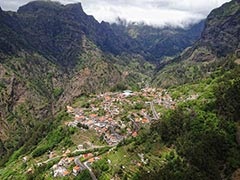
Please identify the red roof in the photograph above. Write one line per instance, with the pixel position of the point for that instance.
(91, 160)
(93, 115)
(107, 98)
(145, 121)
(88, 155)
(65, 173)
(101, 118)
(77, 168)
(85, 155)
(134, 134)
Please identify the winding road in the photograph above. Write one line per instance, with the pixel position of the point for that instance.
(85, 166)
(155, 115)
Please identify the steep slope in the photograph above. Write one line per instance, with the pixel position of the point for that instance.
(217, 47)
(157, 43)
(98, 72)
(11, 35)
(28, 83)
(56, 30)
(222, 31)
(49, 55)
(53, 55)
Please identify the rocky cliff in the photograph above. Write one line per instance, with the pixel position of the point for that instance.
(216, 49)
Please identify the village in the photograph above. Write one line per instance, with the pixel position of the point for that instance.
(103, 114)
(114, 117)
(109, 124)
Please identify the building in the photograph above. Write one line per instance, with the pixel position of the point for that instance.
(76, 170)
(127, 93)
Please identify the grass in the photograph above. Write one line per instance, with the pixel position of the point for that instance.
(80, 101)
(120, 157)
(82, 136)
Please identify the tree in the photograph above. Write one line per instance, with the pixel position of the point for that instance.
(228, 99)
(84, 175)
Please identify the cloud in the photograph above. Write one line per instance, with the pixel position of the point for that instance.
(151, 12)
(151, 15)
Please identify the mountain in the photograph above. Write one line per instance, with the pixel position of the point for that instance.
(219, 40)
(51, 54)
(56, 30)
(158, 43)
(73, 42)
(54, 55)
(221, 34)
(48, 57)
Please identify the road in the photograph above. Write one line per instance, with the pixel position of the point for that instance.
(93, 147)
(147, 116)
(78, 162)
(84, 166)
(135, 124)
(155, 115)
(45, 162)
(90, 170)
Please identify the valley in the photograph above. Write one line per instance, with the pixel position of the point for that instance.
(82, 99)
(99, 132)
(108, 120)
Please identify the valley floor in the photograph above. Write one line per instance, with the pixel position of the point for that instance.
(128, 135)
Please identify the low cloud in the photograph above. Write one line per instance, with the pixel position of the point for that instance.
(151, 12)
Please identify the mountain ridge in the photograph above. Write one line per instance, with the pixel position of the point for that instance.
(52, 55)
(215, 49)
(102, 34)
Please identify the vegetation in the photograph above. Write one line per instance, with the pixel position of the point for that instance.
(228, 96)
(52, 140)
(204, 135)
(100, 168)
(47, 65)
(196, 140)
(84, 175)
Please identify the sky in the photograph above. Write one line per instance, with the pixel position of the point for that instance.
(152, 12)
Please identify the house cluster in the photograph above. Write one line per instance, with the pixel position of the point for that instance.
(104, 125)
(62, 167)
(107, 124)
(72, 165)
(166, 101)
(160, 97)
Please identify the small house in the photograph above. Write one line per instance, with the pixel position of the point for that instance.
(127, 93)
(76, 170)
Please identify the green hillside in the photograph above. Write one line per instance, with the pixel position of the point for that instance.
(81, 99)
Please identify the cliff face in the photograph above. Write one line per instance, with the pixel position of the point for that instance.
(221, 35)
(222, 30)
(55, 30)
(220, 39)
